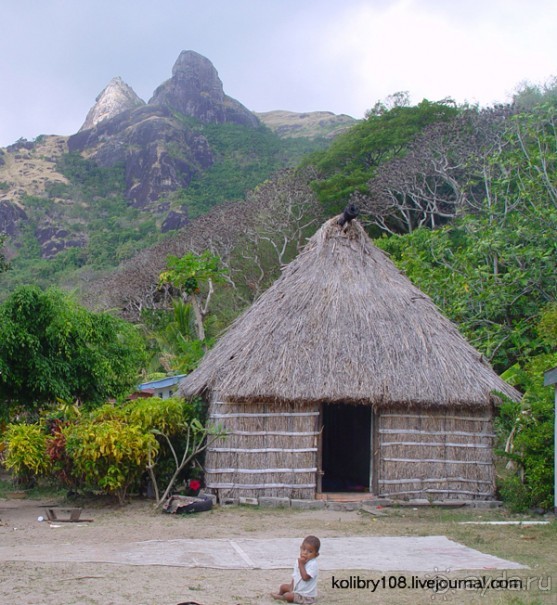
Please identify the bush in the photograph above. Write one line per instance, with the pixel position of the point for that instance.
(109, 455)
(25, 453)
(164, 415)
(526, 437)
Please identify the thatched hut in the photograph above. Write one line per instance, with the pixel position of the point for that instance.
(343, 376)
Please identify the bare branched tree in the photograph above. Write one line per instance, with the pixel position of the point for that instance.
(445, 170)
(252, 238)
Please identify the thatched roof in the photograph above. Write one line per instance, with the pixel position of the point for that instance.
(343, 324)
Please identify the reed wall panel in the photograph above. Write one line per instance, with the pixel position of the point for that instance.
(269, 450)
(439, 455)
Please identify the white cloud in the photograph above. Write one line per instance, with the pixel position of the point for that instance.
(436, 54)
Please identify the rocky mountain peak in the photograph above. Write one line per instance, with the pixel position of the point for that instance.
(116, 98)
(196, 90)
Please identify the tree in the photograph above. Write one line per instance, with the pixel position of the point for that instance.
(173, 338)
(187, 275)
(51, 348)
(492, 268)
(444, 171)
(353, 157)
(285, 213)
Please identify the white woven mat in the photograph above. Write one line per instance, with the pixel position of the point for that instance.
(432, 553)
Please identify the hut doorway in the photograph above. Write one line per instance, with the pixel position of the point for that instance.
(346, 448)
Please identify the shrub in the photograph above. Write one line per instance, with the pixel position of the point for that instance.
(109, 455)
(26, 454)
(164, 415)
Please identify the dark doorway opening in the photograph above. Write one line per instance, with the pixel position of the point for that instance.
(346, 448)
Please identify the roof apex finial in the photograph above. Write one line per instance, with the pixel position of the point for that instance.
(350, 212)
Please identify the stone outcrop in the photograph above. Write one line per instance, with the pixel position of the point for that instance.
(10, 215)
(160, 155)
(116, 98)
(160, 151)
(53, 239)
(196, 90)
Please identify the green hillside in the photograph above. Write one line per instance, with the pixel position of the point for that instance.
(91, 227)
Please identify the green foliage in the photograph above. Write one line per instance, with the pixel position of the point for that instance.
(244, 157)
(25, 453)
(172, 338)
(526, 437)
(181, 436)
(92, 208)
(492, 270)
(525, 430)
(548, 324)
(491, 279)
(51, 348)
(188, 275)
(188, 272)
(93, 181)
(109, 455)
(515, 494)
(353, 157)
(166, 416)
(110, 448)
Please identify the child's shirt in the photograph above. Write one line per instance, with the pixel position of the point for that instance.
(306, 588)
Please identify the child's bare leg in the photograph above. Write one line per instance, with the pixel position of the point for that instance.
(285, 590)
(284, 596)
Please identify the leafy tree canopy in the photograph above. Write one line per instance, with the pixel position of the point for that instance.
(353, 157)
(51, 348)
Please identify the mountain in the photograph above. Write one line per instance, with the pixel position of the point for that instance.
(114, 99)
(160, 149)
(136, 170)
(311, 125)
(196, 90)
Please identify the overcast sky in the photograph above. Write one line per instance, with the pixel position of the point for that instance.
(342, 56)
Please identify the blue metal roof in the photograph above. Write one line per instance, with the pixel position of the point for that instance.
(162, 382)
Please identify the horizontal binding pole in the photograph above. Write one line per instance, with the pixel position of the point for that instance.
(263, 415)
(433, 417)
(441, 480)
(436, 491)
(414, 432)
(421, 461)
(261, 450)
(436, 444)
(260, 485)
(279, 433)
(258, 471)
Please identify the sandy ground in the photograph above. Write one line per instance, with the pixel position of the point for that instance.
(68, 583)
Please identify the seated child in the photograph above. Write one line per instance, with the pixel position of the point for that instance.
(303, 587)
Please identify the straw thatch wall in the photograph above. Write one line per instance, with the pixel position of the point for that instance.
(269, 450)
(441, 455)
